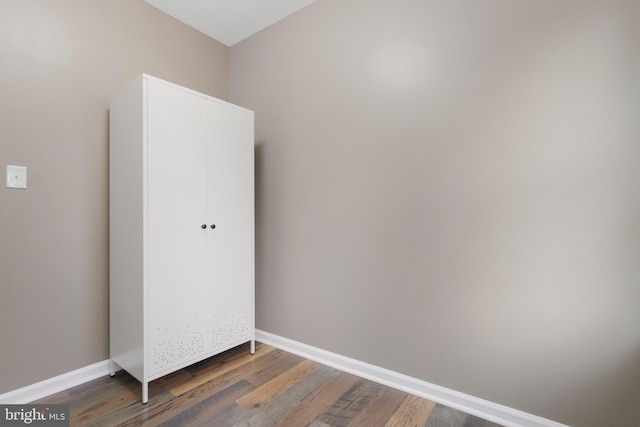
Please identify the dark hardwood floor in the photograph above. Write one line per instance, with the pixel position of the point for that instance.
(270, 388)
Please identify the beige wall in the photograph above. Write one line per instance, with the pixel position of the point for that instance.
(449, 189)
(60, 61)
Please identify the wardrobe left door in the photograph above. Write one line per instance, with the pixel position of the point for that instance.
(177, 230)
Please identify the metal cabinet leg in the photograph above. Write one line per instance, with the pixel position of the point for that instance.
(145, 392)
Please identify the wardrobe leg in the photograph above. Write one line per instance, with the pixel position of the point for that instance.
(145, 392)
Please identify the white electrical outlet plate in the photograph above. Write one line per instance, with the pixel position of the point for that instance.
(16, 176)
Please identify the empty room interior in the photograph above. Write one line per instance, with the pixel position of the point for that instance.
(446, 192)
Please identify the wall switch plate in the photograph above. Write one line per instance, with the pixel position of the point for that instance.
(16, 176)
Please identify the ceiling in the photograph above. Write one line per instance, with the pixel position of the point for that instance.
(229, 21)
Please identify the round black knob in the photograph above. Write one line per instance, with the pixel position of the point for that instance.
(204, 226)
(213, 226)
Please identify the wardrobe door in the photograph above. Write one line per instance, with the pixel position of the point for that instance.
(230, 209)
(176, 215)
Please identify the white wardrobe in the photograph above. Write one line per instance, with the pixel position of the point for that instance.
(181, 228)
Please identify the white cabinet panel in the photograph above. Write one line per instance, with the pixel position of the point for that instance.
(230, 208)
(177, 198)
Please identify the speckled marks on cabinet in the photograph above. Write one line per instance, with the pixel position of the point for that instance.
(177, 343)
(229, 324)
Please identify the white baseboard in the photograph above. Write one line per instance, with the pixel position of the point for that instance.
(56, 384)
(500, 414)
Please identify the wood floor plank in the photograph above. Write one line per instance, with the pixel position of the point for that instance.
(473, 421)
(377, 406)
(279, 362)
(221, 367)
(240, 373)
(442, 416)
(101, 408)
(413, 412)
(316, 403)
(269, 413)
(278, 385)
(105, 395)
(341, 412)
(232, 417)
(190, 397)
(133, 409)
(169, 381)
(209, 408)
(164, 413)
